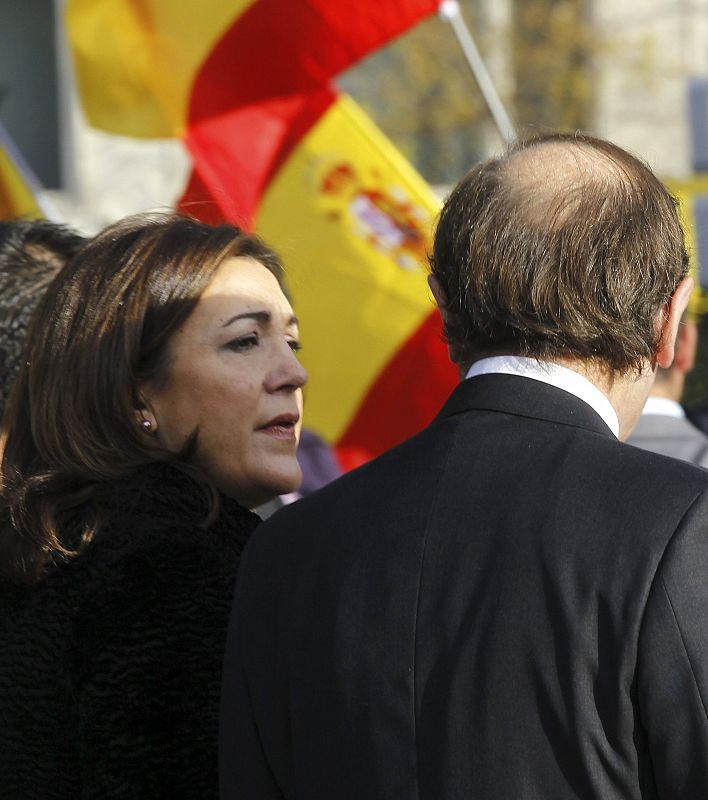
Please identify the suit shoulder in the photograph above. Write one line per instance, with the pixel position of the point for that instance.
(401, 469)
(663, 465)
(403, 476)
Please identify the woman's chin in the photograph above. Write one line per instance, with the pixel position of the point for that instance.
(259, 494)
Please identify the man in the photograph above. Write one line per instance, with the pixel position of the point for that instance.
(31, 253)
(513, 604)
(663, 426)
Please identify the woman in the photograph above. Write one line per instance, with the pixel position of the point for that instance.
(160, 399)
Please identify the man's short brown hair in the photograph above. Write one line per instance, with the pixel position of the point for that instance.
(566, 247)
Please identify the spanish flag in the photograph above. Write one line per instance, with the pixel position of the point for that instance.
(277, 148)
(17, 189)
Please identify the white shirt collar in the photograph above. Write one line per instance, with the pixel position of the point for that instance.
(663, 406)
(554, 374)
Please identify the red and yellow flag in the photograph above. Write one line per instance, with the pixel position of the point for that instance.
(17, 195)
(138, 62)
(276, 147)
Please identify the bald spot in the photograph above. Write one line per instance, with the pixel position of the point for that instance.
(547, 180)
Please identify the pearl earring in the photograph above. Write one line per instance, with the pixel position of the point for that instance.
(146, 425)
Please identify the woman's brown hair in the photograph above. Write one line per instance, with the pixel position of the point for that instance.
(101, 331)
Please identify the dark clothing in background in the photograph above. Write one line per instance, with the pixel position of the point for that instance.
(317, 461)
(698, 417)
(671, 436)
(512, 605)
(110, 667)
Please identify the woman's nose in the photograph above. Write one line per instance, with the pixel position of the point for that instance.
(289, 372)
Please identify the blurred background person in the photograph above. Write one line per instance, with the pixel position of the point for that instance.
(31, 253)
(159, 400)
(663, 426)
(317, 462)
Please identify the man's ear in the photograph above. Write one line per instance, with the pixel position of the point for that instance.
(686, 347)
(670, 320)
(439, 294)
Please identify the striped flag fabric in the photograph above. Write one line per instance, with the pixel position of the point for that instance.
(275, 147)
(18, 187)
(150, 68)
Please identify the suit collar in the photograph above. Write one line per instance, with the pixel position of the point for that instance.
(525, 397)
(554, 374)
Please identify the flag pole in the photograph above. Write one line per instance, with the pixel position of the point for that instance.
(449, 10)
(66, 101)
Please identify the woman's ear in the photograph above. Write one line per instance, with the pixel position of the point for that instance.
(145, 418)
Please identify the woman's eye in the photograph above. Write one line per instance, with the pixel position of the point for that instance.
(244, 343)
(295, 345)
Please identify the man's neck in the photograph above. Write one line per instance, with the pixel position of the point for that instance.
(626, 393)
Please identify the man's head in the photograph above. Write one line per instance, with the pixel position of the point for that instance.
(31, 253)
(566, 248)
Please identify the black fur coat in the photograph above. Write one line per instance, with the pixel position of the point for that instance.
(110, 667)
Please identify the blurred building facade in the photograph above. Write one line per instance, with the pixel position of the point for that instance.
(652, 50)
(618, 68)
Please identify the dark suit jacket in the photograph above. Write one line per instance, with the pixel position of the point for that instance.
(510, 605)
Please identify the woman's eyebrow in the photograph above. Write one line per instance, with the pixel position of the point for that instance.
(264, 317)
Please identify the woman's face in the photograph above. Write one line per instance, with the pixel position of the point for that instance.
(235, 378)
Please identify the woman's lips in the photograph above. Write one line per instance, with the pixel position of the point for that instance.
(283, 427)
